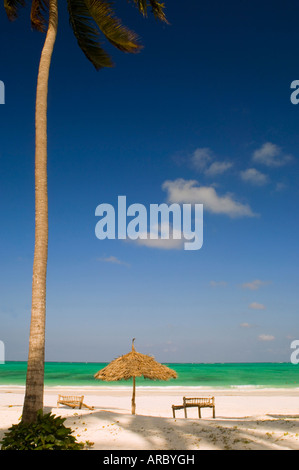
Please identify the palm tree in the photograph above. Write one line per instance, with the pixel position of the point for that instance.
(88, 19)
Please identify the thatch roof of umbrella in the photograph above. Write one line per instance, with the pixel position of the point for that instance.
(132, 365)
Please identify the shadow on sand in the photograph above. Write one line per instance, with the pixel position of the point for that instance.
(222, 433)
(159, 433)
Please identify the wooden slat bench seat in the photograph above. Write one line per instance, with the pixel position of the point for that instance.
(72, 401)
(195, 403)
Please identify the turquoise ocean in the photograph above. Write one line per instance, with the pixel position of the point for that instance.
(206, 376)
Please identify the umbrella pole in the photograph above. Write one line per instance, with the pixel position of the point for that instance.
(133, 397)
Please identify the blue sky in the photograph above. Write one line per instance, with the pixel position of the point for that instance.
(204, 107)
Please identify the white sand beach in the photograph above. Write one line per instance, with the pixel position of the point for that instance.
(245, 419)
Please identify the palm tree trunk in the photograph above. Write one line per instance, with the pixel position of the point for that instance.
(133, 396)
(35, 369)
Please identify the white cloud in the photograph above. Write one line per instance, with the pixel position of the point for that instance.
(201, 158)
(266, 338)
(163, 244)
(253, 176)
(113, 260)
(254, 285)
(257, 306)
(204, 160)
(246, 325)
(218, 283)
(175, 241)
(217, 168)
(271, 155)
(280, 187)
(170, 347)
(187, 191)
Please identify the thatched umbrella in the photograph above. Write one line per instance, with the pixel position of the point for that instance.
(135, 365)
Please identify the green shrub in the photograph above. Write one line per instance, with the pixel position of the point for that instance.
(47, 433)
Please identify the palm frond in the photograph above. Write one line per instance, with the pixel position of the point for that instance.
(142, 6)
(12, 8)
(157, 8)
(120, 36)
(38, 10)
(87, 34)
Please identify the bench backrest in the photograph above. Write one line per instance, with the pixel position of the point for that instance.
(199, 401)
(72, 399)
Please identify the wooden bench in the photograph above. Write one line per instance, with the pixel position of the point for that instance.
(72, 401)
(193, 403)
